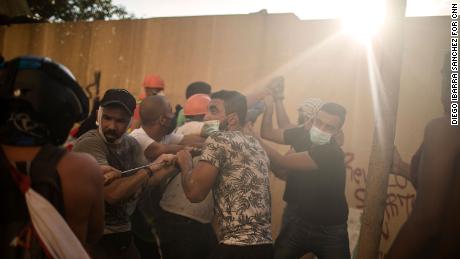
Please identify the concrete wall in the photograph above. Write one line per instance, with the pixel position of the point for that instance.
(242, 52)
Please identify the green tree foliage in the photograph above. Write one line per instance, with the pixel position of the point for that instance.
(76, 10)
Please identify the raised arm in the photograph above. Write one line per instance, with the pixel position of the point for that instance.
(281, 115)
(267, 131)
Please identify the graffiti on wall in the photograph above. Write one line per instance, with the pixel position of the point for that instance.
(398, 202)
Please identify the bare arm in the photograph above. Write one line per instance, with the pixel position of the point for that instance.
(154, 150)
(267, 131)
(123, 188)
(198, 181)
(281, 115)
(436, 170)
(192, 139)
(82, 185)
(282, 173)
(256, 95)
(399, 166)
(160, 174)
(301, 161)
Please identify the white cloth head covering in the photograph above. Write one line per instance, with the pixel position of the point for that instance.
(310, 107)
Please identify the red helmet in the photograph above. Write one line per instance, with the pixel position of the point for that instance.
(153, 81)
(197, 104)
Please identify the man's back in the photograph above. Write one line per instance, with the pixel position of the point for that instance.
(242, 190)
(76, 194)
(431, 231)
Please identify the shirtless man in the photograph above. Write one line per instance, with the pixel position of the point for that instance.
(431, 231)
(32, 89)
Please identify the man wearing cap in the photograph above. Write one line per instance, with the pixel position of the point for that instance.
(116, 150)
(151, 86)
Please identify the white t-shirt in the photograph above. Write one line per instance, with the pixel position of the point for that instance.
(144, 140)
(174, 199)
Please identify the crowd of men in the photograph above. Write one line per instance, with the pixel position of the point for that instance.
(148, 182)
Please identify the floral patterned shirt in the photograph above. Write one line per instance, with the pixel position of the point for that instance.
(242, 190)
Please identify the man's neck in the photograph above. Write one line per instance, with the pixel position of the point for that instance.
(14, 153)
(235, 128)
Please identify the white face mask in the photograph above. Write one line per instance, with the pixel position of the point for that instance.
(319, 137)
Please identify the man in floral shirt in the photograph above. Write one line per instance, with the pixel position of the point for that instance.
(235, 167)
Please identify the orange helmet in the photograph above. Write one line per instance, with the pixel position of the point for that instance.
(153, 81)
(197, 104)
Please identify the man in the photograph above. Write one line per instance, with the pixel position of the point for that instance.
(431, 231)
(113, 148)
(32, 89)
(156, 135)
(151, 86)
(235, 167)
(183, 227)
(155, 138)
(198, 87)
(316, 214)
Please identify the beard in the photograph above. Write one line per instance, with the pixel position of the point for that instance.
(111, 136)
(223, 126)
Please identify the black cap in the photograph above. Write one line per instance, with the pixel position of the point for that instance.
(121, 97)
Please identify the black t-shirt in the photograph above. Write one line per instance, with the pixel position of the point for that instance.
(318, 195)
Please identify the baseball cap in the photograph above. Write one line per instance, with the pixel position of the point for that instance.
(121, 97)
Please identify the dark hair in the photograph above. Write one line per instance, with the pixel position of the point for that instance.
(197, 88)
(233, 102)
(335, 109)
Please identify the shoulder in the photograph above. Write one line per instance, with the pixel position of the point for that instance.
(218, 135)
(91, 138)
(439, 132)
(140, 136)
(80, 167)
(136, 132)
(131, 143)
(295, 131)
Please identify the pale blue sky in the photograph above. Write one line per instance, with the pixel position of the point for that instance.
(304, 9)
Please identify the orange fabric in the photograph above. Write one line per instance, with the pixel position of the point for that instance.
(197, 104)
(137, 115)
(153, 81)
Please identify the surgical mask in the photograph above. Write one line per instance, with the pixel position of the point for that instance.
(210, 127)
(319, 137)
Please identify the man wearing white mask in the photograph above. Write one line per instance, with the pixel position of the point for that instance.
(116, 151)
(317, 211)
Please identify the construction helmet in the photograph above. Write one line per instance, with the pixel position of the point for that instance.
(40, 101)
(196, 105)
(153, 81)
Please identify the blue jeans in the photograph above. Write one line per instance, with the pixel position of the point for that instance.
(298, 238)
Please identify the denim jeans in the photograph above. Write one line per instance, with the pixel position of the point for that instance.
(297, 238)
